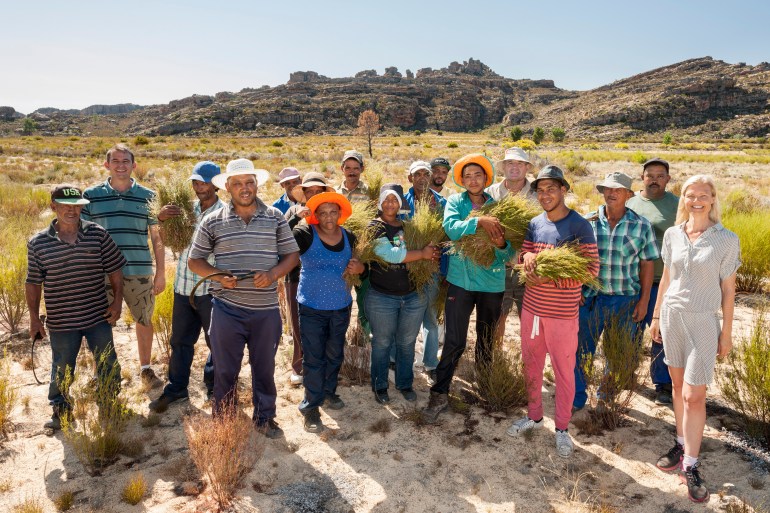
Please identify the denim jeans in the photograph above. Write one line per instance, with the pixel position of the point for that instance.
(658, 368)
(323, 346)
(65, 346)
(430, 326)
(593, 319)
(186, 325)
(395, 321)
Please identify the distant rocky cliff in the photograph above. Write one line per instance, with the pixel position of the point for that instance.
(701, 97)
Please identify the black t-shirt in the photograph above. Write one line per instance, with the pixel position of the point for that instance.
(392, 279)
(303, 234)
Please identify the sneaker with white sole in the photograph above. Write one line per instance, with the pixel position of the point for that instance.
(523, 424)
(564, 445)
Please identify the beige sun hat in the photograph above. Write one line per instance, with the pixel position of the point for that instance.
(240, 167)
(311, 179)
(616, 180)
(515, 154)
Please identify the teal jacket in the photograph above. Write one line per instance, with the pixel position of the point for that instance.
(462, 271)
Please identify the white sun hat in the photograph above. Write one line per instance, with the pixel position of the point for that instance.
(240, 167)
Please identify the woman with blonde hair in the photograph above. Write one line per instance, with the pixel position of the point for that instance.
(700, 258)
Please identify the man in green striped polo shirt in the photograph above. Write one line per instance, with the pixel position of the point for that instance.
(121, 206)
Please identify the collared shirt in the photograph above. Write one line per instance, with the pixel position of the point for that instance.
(661, 213)
(696, 269)
(438, 202)
(463, 272)
(499, 191)
(72, 275)
(242, 247)
(445, 191)
(360, 193)
(126, 217)
(283, 203)
(185, 279)
(620, 251)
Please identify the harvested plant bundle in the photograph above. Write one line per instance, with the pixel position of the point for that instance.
(177, 232)
(514, 214)
(424, 228)
(440, 301)
(363, 213)
(563, 262)
(358, 225)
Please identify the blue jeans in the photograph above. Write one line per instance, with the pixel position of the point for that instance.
(323, 350)
(395, 321)
(430, 326)
(658, 368)
(65, 346)
(186, 325)
(593, 318)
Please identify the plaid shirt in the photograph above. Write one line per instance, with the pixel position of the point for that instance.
(360, 193)
(185, 279)
(620, 251)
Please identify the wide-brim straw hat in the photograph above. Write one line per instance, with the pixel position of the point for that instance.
(346, 209)
(473, 158)
(240, 167)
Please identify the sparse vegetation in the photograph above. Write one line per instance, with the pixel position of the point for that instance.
(502, 384)
(753, 230)
(64, 501)
(8, 395)
(134, 490)
(13, 273)
(161, 316)
(538, 134)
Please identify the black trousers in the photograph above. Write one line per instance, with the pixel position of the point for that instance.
(458, 308)
(186, 325)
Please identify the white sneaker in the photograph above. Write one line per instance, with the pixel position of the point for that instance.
(523, 424)
(295, 380)
(564, 445)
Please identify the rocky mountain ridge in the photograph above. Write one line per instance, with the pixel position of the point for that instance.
(701, 97)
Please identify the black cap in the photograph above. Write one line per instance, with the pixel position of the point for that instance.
(68, 195)
(550, 173)
(440, 161)
(655, 160)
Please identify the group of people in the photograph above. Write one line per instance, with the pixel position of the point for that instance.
(662, 261)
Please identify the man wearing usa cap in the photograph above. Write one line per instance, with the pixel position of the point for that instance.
(352, 187)
(288, 178)
(627, 249)
(253, 243)
(188, 321)
(69, 259)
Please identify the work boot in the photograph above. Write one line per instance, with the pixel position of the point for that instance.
(59, 412)
(436, 404)
(313, 422)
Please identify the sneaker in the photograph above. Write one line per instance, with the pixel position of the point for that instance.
(295, 380)
(409, 394)
(150, 379)
(382, 396)
(672, 459)
(523, 424)
(333, 402)
(209, 394)
(270, 428)
(58, 413)
(663, 396)
(564, 445)
(436, 404)
(430, 376)
(313, 422)
(162, 403)
(696, 488)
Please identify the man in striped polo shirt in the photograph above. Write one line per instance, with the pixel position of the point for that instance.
(549, 316)
(248, 238)
(121, 206)
(67, 261)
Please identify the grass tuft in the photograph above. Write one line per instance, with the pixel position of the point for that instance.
(134, 490)
(8, 395)
(501, 383)
(381, 426)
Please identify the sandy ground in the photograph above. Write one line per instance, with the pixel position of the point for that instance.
(466, 463)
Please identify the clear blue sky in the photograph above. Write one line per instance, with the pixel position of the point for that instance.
(79, 53)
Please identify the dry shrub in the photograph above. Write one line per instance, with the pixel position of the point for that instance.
(177, 232)
(612, 372)
(161, 316)
(134, 490)
(64, 501)
(13, 274)
(23, 201)
(8, 395)
(501, 383)
(357, 361)
(224, 449)
(381, 426)
(29, 505)
(96, 436)
(744, 381)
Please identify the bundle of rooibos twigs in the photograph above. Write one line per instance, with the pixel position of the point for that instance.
(424, 228)
(563, 262)
(177, 231)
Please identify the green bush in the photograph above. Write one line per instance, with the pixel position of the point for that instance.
(417, 132)
(668, 139)
(538, 134)
(753, 230)
(141, 140)
(741, 201)
(621, 146)
(28, 126)
(452, 145)
(639, 157)
(558, 134)
(276, 143)
(575, 165)
(516, 133)
(744, 382)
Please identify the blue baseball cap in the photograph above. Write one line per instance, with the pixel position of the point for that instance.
(205, 171)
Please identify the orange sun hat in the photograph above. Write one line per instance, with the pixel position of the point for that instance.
(346, 209)
(473, 158)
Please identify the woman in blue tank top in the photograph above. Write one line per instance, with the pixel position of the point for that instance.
(324, 301)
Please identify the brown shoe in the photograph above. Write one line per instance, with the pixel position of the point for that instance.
(150, 379)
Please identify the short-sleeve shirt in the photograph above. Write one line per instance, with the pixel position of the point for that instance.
(498, 191)
(661, 213)
(126, 217)
(360, 193)
(696, 269)
(392, 279)
(72, 275)
(558, 300)
(185, 279)
(243, 247)
(620, 251)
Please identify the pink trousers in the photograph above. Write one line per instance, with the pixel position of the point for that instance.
(559, 338)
